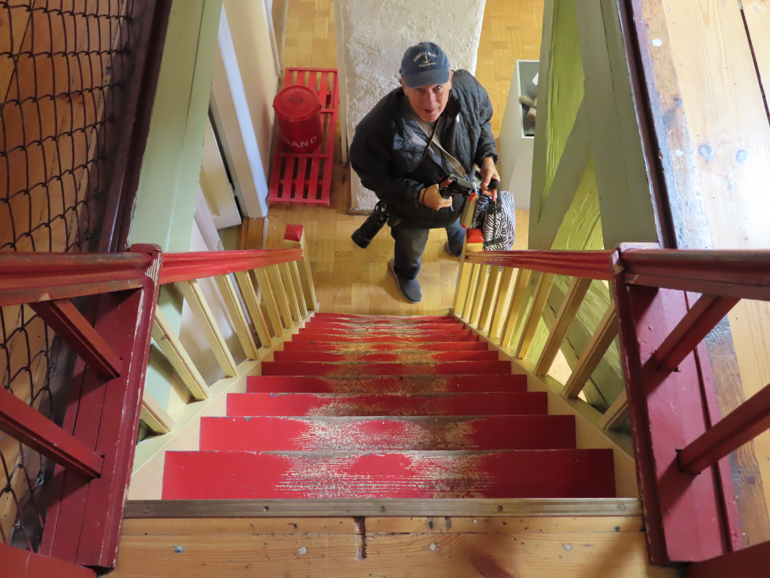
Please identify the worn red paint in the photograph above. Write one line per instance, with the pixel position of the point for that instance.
(27, 425)
(398, 384)
(387, 433)
(368, 319)
(70, 325)
(683, 513)
(293, 233)
(747, 563)
(499, 474)
(403, 357)
(381, 369)
(300, 404)
(336, 327)
(333, 347)
(197, 265)
(27, 277)
(428, 337)
(586, 264)
(18, 563)
(83, 521)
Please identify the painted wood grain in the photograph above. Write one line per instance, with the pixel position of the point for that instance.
(523, 554)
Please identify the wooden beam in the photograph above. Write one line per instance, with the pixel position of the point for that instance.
(504, 295)
(490, 299)
(382, 508)
(520, 289)
(68, 323)
(616, 414)
(297, 282)
(249, 294)
(294, 237)
(199, 306)
(539, 302)
(153, 414)
(540, 147)
(27, 425)
(481, 295)
(569, 308)
(280, 295)
(177, 355)
(291, 293)
(569, 174)
(270, 302)
(237, 314)
(704, 315)
(625, 196)
(464, 277)
(600, 341)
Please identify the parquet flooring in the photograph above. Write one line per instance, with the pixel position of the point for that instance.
(352, 280)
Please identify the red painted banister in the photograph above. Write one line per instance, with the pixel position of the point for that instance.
(198, 265)
(586, 264)
(30, 277)
(742, 274)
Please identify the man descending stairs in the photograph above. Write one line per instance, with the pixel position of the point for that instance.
(387, 407)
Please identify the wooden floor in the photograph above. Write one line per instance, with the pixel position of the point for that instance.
(352, 280)
(524, 547)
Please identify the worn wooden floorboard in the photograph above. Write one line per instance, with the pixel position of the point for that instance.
(390, 548)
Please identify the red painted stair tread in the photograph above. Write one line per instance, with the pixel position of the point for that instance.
(442, 368)
(343, 347)
(402, 357)
(351, 317)
(336, 404)
(388, 433)
(392, 385)
(498, 474)
(356, 328)
(427, 337)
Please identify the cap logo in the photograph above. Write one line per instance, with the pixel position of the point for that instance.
(427, 55)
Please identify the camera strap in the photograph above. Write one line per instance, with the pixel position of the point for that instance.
(453, 163)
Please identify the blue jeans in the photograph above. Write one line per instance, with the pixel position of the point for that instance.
(410, 244)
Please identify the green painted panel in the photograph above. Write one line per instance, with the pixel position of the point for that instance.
(581, 230)
(565, 88)
(165, 202)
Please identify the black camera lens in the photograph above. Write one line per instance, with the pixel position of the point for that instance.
(371, 226)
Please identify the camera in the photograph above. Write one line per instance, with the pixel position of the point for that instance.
(371, 226)
(449, 185)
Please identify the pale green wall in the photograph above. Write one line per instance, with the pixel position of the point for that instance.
(168, 185)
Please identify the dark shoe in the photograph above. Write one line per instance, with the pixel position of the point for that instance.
(408, 288)
(448, 250)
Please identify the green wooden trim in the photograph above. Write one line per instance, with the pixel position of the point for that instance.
(569, 175)
(168, 184)
(625, 196)
(540, 147)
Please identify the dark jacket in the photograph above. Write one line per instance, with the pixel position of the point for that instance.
(385, 155)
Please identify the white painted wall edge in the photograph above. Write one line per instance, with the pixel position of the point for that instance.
(233, 122)
(205, 221)
(339, 29)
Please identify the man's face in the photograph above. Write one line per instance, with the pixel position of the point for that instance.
(428, 102)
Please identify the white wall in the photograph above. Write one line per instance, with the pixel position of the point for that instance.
(250, 23)
(372, 36)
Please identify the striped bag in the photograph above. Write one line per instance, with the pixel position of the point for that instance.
(497, 221)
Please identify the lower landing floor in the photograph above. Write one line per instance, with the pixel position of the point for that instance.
(387, 547)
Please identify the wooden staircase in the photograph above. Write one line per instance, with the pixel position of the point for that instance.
(387, 407)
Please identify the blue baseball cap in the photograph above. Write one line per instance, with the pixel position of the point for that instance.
(424, 64)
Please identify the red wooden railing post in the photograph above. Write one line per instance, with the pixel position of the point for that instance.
(684, 515)
(83, 521)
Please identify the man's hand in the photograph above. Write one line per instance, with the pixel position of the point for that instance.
(431, 197)
(488, 172)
